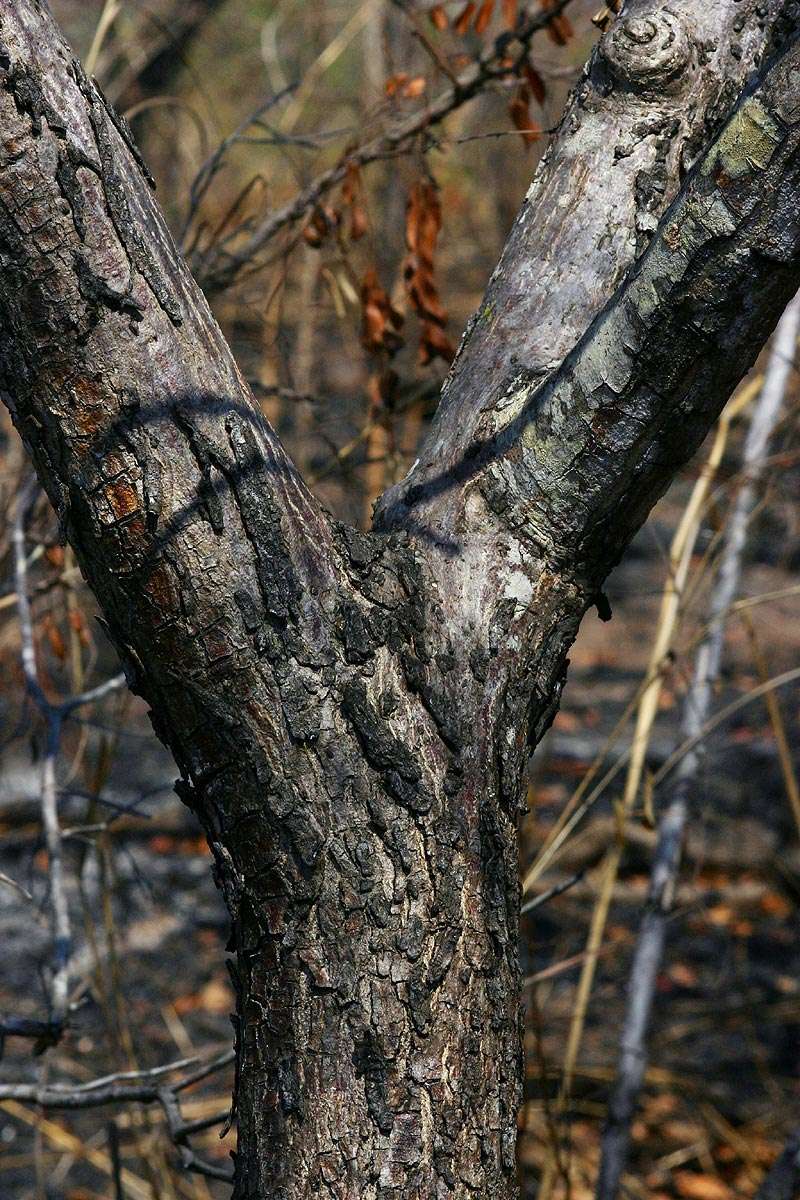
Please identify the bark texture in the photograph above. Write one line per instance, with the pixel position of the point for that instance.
(351, 713)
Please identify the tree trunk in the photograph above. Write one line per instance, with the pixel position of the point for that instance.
(351, 713)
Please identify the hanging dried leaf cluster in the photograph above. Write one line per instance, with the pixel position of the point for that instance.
(477, 16)
(381, 320)
(423, 223)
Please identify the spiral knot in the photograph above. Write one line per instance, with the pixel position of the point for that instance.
(648, 52)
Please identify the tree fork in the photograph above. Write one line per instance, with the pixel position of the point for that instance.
(352, 713)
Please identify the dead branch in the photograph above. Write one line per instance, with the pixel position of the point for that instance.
(140, 1087)
(54, 716)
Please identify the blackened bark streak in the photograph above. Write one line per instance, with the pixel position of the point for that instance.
(351, 713)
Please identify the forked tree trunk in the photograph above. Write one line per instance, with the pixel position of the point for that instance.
(352, 713)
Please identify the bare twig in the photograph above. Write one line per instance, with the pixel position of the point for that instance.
(779, 733)
(498, 62)
(430, 47)
(107, 18)
(116, 1161)
(214, 162)
(125, 1087)
(557, 890)
(17, 887)
(687, 746)
(650, 945)
(62, 935)
(142, 1087)
(54, 716)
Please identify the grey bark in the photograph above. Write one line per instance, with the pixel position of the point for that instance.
(351, 713)
(654, 92)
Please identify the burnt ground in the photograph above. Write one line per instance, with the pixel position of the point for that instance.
(722, 1087)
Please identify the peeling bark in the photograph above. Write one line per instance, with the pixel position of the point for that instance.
(351, 713)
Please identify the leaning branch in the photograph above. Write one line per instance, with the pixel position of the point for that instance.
(658, 81)
(573, 465)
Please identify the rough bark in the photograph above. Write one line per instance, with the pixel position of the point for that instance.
(351, 713)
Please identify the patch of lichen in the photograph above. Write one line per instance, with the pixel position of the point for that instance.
(746, 144)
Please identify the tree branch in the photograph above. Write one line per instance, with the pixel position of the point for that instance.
(572, 465)
(54, 716)
(139, 1087)
(352, 713)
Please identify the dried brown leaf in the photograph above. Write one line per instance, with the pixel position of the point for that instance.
(395, 82)
(415, 87)
(464, 18)
(535, 83)
(438, 17)
(380, 320)
(55, 638)
(520, 113)
(485, 13)
(358, 223)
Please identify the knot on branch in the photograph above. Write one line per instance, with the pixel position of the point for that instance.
(649, 51)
